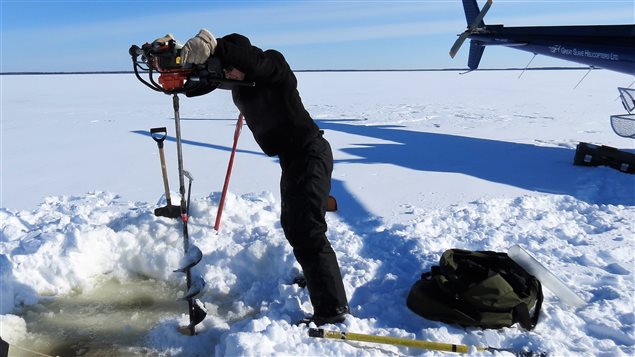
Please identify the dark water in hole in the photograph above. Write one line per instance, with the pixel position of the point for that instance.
(110, 319)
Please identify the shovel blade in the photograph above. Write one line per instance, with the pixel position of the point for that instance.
(170, 211)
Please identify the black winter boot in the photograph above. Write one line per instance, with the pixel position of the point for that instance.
(339, 317)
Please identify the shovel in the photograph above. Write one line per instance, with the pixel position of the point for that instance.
(170, 210)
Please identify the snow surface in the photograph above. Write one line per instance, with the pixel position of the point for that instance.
(424, 162)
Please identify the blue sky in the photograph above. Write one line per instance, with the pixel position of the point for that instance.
(87, 35)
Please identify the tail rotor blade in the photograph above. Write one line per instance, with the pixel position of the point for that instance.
(458, 43)
(478, 22)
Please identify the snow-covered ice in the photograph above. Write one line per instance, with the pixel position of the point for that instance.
(424, 161)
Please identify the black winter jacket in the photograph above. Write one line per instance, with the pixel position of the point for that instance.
(273, 108)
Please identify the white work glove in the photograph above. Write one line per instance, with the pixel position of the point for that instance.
(163, 40)
(199, 48)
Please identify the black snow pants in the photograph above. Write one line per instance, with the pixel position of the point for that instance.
(304, 187)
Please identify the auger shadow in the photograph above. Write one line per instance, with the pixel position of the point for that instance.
(200, 144)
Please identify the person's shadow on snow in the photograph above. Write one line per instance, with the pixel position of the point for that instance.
(400, 262)
(530, 167)
(396, 264)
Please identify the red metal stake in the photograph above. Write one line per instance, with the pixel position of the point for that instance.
(239, 125)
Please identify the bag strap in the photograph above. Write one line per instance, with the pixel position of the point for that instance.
(521, 311)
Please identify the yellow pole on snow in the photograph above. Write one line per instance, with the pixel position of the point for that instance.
(428, 345)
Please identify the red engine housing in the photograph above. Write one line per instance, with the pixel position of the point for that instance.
(173, 80)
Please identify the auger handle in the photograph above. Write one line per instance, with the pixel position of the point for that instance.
(135, 51)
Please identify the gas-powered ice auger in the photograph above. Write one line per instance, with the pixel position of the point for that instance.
(164, 58)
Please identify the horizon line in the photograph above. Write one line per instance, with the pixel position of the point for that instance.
(547, 68)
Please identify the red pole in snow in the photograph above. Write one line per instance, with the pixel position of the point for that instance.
(239, 125)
